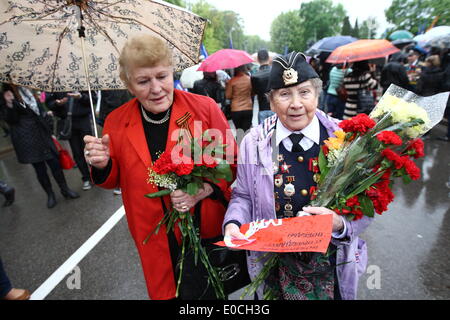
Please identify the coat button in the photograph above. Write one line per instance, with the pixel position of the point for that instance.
(304, 192)
(300, 159)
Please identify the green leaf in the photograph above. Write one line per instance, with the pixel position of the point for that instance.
(406, 179)
(323, 166)
(161, 193)
(192, 188)
(366, 205)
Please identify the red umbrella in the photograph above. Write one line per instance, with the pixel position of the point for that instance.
(225, 59)
(362, 50)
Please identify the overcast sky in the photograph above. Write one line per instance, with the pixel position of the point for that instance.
(258, 15)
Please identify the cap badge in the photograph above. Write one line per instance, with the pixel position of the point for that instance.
(290, 76)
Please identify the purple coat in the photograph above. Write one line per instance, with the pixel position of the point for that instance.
(253, 199)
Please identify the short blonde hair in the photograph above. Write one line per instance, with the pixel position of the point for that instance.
(143, 51)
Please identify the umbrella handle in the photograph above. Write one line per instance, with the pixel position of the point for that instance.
(86, 72)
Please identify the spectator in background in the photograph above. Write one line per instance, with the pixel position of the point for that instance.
(335, 106)
(431, 78)
(210, 87)
(7, 292)
(361, 77)
(110, 100)
(59, 103)
(239, 91)
(31, 138)
(413, 67)
(260, 84)
(394, 72)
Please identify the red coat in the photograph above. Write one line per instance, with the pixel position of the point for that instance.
(130, 162)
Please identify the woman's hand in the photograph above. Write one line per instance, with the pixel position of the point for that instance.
(96, 151)
(183, 202)
(232, 231)
(338, 224)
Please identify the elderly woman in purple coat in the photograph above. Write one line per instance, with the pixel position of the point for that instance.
(276, 179)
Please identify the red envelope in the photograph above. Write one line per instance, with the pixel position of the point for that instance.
(299, 234)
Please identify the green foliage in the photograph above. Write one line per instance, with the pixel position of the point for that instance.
(411, 14)
(179, 3)
(286, 31)
(319, 19)
(346, 27)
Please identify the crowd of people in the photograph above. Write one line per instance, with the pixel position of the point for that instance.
(299, 96)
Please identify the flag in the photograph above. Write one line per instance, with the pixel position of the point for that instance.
(203, 51)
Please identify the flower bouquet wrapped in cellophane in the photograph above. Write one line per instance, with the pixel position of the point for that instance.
(357, 166)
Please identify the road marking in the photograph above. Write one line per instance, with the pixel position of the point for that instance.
(75, 258)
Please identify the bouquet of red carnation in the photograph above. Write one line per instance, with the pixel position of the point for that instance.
(186, 168)
(359, 164)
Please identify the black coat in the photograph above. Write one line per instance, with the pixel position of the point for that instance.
(394, 73)
(210, 88)
(30, 134)
(260, 85)
(431, 81)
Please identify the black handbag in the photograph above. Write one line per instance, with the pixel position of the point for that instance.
(64, 126)
(231, 266)
(366, 102)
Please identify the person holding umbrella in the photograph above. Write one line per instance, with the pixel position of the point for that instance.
(133, 137)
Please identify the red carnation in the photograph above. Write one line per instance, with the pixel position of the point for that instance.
(360, 123)
(417, 146)
(394, 157)
(389, 137)
(381, 195)
(164, 164)
(184, 169)
(411, 169)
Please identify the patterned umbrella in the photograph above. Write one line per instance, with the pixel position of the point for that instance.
(41, 46)
(362, 50)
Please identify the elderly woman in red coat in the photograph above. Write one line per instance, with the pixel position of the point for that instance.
(133, 137)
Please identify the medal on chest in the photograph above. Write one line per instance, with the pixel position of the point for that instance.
(289, 190)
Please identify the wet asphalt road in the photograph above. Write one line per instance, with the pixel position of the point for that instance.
(409, 256)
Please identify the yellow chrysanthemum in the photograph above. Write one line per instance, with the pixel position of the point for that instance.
(334, 143)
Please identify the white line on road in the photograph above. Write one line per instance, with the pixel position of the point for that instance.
(79, 255)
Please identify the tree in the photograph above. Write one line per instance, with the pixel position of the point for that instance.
(355, 31)
(319, 19)
(346, 27)
(221, 26)
(179, 3)
(412, 14)
(286, 31)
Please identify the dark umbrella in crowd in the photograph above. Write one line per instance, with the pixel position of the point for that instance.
(328, 44)
(70, 45)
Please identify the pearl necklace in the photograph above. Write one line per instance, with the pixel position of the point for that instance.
(149, 120)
